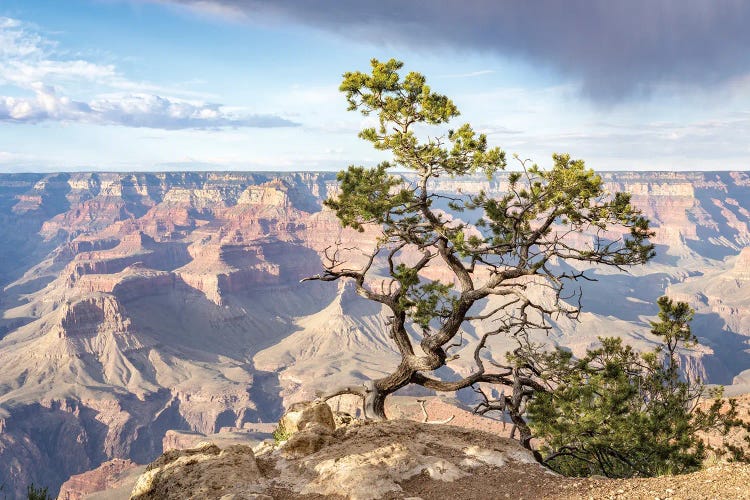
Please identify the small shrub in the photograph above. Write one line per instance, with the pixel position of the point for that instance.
(37, 493)
(281, 434)
(620, 413)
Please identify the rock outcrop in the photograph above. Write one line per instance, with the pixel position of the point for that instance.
(395, 459)
(107, 476)
(203, 472)
(402, 459)
(301, 414)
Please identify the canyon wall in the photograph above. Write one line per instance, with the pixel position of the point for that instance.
(135, 304)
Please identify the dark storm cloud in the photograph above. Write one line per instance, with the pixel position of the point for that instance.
(616, 48)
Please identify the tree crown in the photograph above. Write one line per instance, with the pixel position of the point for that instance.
(505, 253)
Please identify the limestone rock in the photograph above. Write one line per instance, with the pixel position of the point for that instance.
(393, 459)
(203, 472)
(313, 437)
(343, 418)
(182, 440)
(742, 264)
(400, 458)
(300, 415)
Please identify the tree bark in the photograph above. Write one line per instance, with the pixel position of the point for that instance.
(374, 402)
(373, 398)
(378, 390)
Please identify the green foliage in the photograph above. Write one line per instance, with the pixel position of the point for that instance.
(568, 194)
(37, 493)
(280, 433)
(371, 195)
(739, 452)
(516, 229)
(673, 326)
(367, 197)
(514, 251)
(619, 413)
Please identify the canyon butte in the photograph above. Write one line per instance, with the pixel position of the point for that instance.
(144, 311)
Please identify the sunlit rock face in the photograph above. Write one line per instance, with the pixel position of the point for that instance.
(107, 477)
(135, 304)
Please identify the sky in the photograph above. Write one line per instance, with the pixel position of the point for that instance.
(150, 85)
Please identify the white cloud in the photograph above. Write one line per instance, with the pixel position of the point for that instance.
(225, 12)
(132, 110)
(26, 72)
(16, 41)
(30, 64)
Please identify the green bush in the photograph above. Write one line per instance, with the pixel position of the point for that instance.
(280, 434)
(619, 413)
(37, 493)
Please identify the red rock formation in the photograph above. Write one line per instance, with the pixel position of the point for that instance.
(107, 476)
(85, 317)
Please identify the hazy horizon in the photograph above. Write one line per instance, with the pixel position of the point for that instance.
(330, 171)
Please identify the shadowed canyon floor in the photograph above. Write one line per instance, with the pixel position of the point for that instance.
(136, 304)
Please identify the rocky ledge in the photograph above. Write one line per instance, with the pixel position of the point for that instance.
(325, 456)
(394, 459)
(108, 477)
(403, 460)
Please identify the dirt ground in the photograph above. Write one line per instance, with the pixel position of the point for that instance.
(528, 481)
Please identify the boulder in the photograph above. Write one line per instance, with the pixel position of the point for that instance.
(343, 419)
(307, 441)
(299, 415)
(202, 472)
